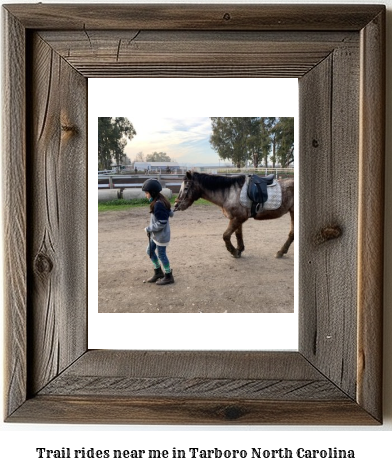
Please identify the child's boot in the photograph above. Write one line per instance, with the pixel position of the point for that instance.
(168, 278)
(158, 273)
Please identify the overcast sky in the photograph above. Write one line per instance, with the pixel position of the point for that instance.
(185, 140)
(171, 115)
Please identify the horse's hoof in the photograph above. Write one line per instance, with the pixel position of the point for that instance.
(236, 254)
(279, 254)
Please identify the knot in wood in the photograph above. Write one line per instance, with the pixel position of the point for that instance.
(328, 233)
(232, 413)
(43, 264)
(227, 16)
(69, 128)
(315, 143)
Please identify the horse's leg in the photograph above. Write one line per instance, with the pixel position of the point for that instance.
(233, 227)
(289, 240)
(240, 240)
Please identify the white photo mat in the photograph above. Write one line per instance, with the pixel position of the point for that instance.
(207, 97)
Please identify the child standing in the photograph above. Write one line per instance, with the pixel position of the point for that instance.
(159, 232)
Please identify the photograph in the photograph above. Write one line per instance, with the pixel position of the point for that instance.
(213, 197)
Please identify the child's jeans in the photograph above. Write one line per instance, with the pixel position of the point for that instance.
(151, 252)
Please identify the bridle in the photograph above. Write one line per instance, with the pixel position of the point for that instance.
(184, 193)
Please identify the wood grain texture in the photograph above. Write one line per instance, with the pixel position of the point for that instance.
(14, 209)
(194, 17)
(188, 387)
(335, 378)
(192, 387)
(57, 215)
(208, 375)
(329, 97)
(166, 53)
(209, 364)
(155, 411)
(371, 216)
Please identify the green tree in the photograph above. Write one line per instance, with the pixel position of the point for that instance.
(233, 138)
(113, 135)
(158, 157)
(254, 140)
(265, 140)
(277, 141)
(284, 134)
(258, 140)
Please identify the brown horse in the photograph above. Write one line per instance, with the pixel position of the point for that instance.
(225, 191)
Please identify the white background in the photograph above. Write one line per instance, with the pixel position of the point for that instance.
(372, 445)
(185, 98)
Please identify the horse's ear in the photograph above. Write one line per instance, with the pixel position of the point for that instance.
(189, 175)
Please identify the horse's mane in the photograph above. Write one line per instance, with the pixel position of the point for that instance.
(214, 181)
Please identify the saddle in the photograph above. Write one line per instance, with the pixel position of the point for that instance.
(257, 191)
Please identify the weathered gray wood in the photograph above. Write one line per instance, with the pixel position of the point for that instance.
(130, 53)
(85, 43)
(179, 374)
(208, 364)
(57, 215)
(371, 216)
(310, 17)
(329, 221)
(188, 387)
(193, 387)
(170, 71)
(14, 208)
(323, 383)
(155, 411)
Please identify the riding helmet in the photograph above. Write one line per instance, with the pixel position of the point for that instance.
(152, 186)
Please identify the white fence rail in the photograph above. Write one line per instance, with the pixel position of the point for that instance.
(122, 181)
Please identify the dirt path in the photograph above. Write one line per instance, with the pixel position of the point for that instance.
(207, 278)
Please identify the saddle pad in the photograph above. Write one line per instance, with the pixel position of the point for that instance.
(274, 196)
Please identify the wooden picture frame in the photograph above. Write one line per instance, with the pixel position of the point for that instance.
(338, 54)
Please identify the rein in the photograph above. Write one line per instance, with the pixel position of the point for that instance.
(149, 244)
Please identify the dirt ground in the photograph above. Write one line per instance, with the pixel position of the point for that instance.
(207, 278)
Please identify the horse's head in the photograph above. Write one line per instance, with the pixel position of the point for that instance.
(189, 192)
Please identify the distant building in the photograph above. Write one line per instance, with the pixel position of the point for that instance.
(157, 166)
(121, 168)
